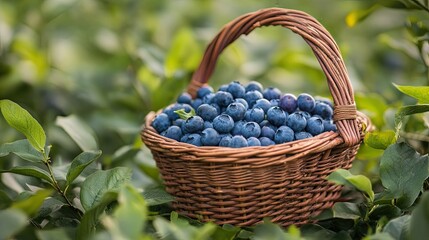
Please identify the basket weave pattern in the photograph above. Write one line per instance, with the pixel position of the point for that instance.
(284, 182)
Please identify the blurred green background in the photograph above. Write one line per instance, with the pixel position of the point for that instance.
(111, 62)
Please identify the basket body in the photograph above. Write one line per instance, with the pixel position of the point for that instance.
(286, 182)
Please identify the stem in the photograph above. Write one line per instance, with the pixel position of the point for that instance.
(35, 224)
(57, 187)
(421, 5)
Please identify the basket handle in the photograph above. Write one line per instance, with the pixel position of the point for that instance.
(320, 41)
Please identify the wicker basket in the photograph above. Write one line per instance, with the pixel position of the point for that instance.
(284, 182)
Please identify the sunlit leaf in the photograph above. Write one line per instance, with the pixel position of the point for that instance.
(156, 196)
(402, 173)
(11, 222)
(360, 182)
(409, 110)
(357, 16)
(31, 205)
(79, 131)
(23, 149)
(31, 171)
(421, 93)
(80, 163)
(21, 120)
(100, 182)
(380, 140)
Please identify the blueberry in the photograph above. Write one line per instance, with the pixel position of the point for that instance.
(251, 129)
(328, 125)
(255, 115)
(184, 98)
(264, 123)
(173, 132)
(266, 141)
(302, 135)
(252, 141)
(238, 141)
(276, 116)
(272, 93)
(306, 115)
(161, 122)
(208, 124)
(254, 86)
(242, 101)
(323, 110)
(267, 132)
(223, 88)
(178, 122)
(238, 127)
(263, 103)
(251, 97)
(288, 103)
(218, 109)
(223, 99)
(236, 90)
(210, 137)
(325, 100)
(196, 103)
(184, 137)
(274, 102)
(194, 139)
(223, 123)
(284, 134)
(314, 125)
(296, 121)
(208, 98)
(207, 112)
(236, 111)
(225, 141)
(204, 90)
(170, 110)
(305, 102)
(193, 124)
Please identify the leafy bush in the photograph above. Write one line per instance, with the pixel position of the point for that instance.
(81, 172)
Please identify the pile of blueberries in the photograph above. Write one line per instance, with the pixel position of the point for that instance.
(241, 116)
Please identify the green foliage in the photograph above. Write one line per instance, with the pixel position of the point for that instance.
(360, 182)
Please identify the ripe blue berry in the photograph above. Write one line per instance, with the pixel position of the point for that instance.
(255, 115)
(297, 122)
(236, 111)
(207, 112)
(223, 99)
(193, 124)
(252, 141)
(302, 135)
(210, 137)
(238, 141)
(328, 125)
(284, 134)
(323, 110)
(161, 122)
(178, 122)
(204, 90)
(314, 126)
(184, 98)
(267, 132)
(306, 115)
(252, 96)
(272, 93)
(266, 141)
(262, 103)
(238, 127)
(173, 132)
(194, 139)
(288, 103)
(208, 98)
(306, 102)
(236, 89)
(325, 100)
(170, 110)
(223, 123)
(251, 129)
(254, 86)
(225, 141)
(223, 88)
(276, 116)
(242, 101)
(196, 103)
(274, 102)
(208, 124)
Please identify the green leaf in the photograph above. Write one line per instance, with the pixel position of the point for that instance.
(181, 230)
(185, 115)
(360, 182)
(31, 171)
(398, 227)
(402, 173)
(271, 231)
(420, 219)
(421, 93)
(5, 201)
(23, 149)
(100, 182)
(374, 106)
(379, 236)
(359, 15)
(90, 219)
(385, 210)
(346, 210)
(53, 234)
(21, 120)
(12, 221)
(80, 163)
(380, 140)
(129, 217)
(150, 171)
(156, 196)
(227, 232)
(408, 110)
(79, 131)
(31, 205)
